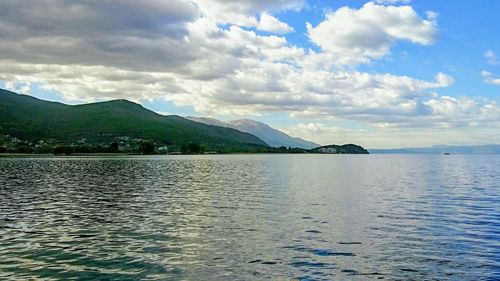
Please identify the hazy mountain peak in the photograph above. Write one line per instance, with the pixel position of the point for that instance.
(250, 123)
(209, 121)
(271, 136)
(442, 149)
(246, 121)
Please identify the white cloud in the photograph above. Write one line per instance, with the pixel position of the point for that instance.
(244, 12)
(491, 57)
(444, 80)
(91, 83)
(450, 111)
(325, 134)
(272, 24)
(371, 31)
(490, 78)
(18, 87)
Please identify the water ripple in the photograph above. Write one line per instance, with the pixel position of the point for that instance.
(250, 217)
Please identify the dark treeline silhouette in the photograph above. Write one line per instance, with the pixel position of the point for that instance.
(192, 148)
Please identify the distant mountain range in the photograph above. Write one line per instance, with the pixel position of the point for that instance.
(271, 136)
(32, 119)
(442, 149)
(28, 120)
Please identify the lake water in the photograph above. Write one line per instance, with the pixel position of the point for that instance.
(251, 217)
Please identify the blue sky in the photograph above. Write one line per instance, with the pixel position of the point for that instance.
(382, 74)
(467, 29)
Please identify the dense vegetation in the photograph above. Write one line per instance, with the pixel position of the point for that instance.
(340, 149)
(30, 125)
(39, 126)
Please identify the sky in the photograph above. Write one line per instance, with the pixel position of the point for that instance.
(381, 73)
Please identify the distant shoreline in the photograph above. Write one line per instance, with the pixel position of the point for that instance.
(49, 155)
(117, 155)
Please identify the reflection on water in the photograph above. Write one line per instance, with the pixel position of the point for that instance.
(308, 217)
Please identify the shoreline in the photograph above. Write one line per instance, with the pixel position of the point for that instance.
(49, 155)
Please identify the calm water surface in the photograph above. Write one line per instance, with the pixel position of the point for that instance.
(251, 217)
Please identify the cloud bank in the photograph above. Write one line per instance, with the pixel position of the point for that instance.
(369, 33)
(232, 58)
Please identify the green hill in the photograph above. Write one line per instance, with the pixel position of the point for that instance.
(31, 119)
(340, 149)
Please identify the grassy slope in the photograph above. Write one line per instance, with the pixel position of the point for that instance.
(30, 118)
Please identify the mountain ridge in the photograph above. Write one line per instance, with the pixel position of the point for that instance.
(442, 149)
(32, 125)
(270, 135)
(32, 119)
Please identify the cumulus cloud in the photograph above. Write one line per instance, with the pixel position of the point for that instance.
(371, 31)
(325, 133)
(89, 83)
(321, 133)
(202, 54)
(272, 24)
(464, 111)
(490, 78)
(245, 13)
